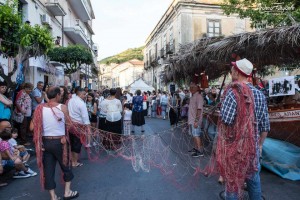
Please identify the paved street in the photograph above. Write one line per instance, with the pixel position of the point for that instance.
(115, 179)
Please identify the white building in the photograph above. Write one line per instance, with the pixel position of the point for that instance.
(70, 22)
(126, 73)
(120, 75)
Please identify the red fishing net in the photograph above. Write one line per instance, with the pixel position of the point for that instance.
(236, 153)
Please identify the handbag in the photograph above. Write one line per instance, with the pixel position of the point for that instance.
(144, 105)
(18, 117)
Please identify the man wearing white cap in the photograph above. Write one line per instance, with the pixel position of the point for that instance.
(243, 128)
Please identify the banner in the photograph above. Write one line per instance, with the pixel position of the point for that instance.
(282, 86)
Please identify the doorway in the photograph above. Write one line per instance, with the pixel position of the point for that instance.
(46, 80)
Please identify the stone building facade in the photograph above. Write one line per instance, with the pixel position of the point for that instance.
(183, 22)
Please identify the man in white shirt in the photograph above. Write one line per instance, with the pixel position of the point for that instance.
(78, 114)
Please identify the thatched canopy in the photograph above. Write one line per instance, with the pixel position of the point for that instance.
(278, 46)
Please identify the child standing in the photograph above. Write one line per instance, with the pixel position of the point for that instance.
(127, 119)
(19, 150)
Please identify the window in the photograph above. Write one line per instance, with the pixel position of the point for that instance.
(150, 57)
(165, 41)
(156, 51)
(213, 28)
(171, 36)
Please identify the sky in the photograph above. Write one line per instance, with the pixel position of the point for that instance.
(123, 24)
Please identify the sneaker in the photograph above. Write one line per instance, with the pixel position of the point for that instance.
(30, 172)
(197, 154)
(192, 150)
(20, 175)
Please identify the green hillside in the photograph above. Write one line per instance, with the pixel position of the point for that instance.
(135, 53)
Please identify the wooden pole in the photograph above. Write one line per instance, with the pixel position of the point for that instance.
(223, 83)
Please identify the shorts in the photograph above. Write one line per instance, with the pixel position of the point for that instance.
(23, 153)
(75, 143)
(8, 164)
(195, 132)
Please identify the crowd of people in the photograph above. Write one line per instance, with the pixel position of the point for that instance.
(47, 111)
(109, 110)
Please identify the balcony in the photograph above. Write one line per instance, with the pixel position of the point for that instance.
(75, 30)
(55, 8)
(153, 60)
(82, 9)
(170, 48)
(89, 26)
(162, 53)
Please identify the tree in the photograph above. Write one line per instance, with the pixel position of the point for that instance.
(10, 23)
(135, 53)
(20, 41)
(265, 12)
(72, 56)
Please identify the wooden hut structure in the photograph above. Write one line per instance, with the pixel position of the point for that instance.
(278, 46)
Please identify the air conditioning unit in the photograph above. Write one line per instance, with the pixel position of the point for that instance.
(46, 19)
(95, 47)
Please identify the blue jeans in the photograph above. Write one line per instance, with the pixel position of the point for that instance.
(163, 110)
(253, 187)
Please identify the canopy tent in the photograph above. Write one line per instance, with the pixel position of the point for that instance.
(139, 84)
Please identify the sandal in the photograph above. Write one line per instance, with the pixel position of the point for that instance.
(78, 165)
(73, 195)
